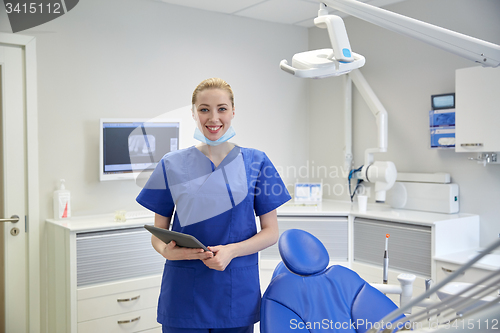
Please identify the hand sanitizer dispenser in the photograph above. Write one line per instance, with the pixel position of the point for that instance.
(62, 206)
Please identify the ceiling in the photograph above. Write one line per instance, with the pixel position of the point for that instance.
(294, 12)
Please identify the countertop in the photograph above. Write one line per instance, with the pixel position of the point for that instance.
(326, 208)
(98, 222)
(374, 211)
(489, 262)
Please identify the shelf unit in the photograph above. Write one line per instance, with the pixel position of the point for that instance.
(103, 276)
(477, 116)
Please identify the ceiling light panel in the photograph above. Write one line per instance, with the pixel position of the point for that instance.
(282, 11)
(221, 6)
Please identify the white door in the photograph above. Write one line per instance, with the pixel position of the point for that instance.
(14, 260)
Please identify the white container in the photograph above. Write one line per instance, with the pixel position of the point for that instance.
(62, 202)
(427, 197)
(362, 203)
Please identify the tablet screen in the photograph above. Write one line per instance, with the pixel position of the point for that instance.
(180, 239)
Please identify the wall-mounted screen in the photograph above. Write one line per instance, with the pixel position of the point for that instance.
(129, 147)
(443, 101)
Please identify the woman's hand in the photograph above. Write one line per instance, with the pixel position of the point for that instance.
(267, 236)
(171, 251)
(222, 256)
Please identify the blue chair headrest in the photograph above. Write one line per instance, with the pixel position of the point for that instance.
(302, 253)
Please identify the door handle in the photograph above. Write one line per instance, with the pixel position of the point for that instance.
(13, 219)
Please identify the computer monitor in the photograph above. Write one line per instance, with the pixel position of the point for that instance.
(129, 147)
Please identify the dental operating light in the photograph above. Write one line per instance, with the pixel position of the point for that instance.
(485, 53)
(341, 60)
(322, 63)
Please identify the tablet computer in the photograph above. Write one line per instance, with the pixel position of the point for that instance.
(180, 239)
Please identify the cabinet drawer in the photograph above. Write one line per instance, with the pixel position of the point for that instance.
(135, 321)
(113, 255)
(445, 269)
(409, 245)
(120, 303)
(153, 330)
(116, 287)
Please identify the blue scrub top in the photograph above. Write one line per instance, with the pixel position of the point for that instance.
(218, 206)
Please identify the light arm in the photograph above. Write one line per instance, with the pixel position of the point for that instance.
(477, 50)
(382, 174)
(338, 36)
(378, 111)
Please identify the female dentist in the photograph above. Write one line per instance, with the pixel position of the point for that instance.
(216, 188)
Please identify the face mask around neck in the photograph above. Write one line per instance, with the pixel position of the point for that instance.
(198, 135)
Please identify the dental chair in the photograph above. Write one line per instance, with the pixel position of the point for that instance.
(306, 296)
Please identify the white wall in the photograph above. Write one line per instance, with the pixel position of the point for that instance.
(404, 73)
(139, 58)
(136, 58)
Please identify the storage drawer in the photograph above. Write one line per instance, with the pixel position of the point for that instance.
(116, 287)
(116, 254)
(445, 269)
(135, 321)
(119, 303)
(155, 330)
(409, 245)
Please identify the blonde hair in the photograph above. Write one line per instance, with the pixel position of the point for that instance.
(213, 83)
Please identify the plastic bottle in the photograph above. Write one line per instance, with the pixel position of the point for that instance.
(62, 202)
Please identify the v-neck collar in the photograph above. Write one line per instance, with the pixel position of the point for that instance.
(233, 153)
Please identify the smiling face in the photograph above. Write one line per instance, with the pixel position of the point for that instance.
(213, 111)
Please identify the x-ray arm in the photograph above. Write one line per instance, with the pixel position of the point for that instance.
(485, 53)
